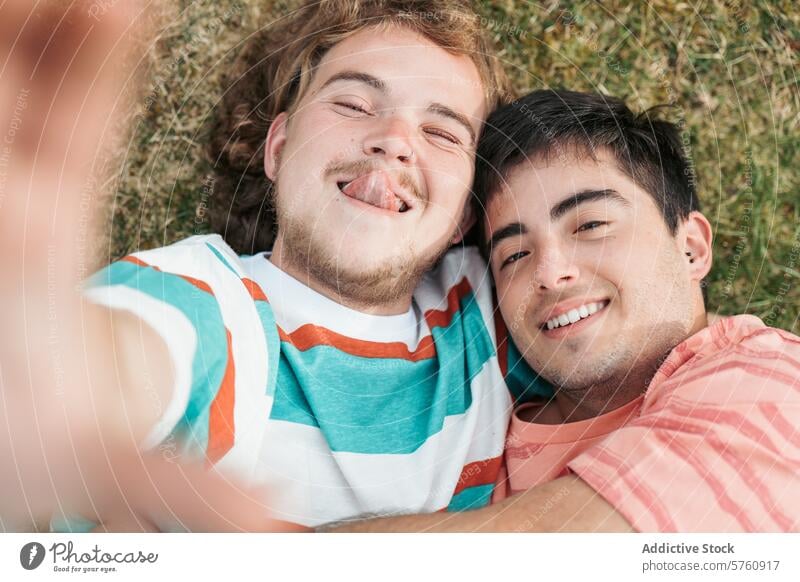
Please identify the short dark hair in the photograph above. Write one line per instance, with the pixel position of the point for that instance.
(549, 123)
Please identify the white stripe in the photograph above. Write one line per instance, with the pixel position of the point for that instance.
(457, 264)
(178, 334)
(316, 486)
(295, 305)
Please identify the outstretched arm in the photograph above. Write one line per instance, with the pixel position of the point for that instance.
(566, 504)
(72, 411)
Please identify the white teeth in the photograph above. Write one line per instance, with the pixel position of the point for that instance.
(574, 315)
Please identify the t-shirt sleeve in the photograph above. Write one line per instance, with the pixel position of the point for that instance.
(717, 448)
(184, 311)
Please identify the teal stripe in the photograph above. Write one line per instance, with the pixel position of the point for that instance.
(222, 259)
(72, 524)
(211, 356)
(267, 318)
(471, 498)
(523, 383)
(383, 405)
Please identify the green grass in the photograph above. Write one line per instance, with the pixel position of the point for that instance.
(729, 67)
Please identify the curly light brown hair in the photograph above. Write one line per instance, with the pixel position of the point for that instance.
(273, 72)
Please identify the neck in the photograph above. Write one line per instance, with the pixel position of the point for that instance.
(570, 410)
(616, 392)
(331, 290)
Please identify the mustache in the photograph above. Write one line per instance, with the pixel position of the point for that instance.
(361, 167)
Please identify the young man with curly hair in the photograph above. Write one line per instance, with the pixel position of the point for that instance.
(352, 371)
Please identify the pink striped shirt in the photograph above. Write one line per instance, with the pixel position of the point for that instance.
(713, 445)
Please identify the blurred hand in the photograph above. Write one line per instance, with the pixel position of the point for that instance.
(69, 437)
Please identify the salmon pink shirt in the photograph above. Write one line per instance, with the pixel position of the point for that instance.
(712, 445)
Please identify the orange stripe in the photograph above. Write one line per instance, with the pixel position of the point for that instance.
(779, 423)
(309, 336)
(761, 489)
(479, 473)
(740, 366)
(721, 416)
(762, 355)
(681, 425)
(255, 291)
(785, 335)
(220, 418)
(639, 490)
(137, 261)
(202, 285)
(701, 468)
(752, 480)
(501, 332)
(722, 449)
(442, 318)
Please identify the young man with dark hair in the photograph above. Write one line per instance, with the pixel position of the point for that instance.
(660, 420)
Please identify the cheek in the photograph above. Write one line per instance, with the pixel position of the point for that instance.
(321, 140)
(448, 178)
(516, 297)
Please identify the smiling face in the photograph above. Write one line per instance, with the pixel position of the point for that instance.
(594, 288)
(374, 165)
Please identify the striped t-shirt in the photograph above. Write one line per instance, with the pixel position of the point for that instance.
(338, 413)
(712, 445)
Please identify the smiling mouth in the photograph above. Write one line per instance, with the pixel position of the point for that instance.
(575, 315)
(373, 189)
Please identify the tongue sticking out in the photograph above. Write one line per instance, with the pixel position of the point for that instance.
(373, 189)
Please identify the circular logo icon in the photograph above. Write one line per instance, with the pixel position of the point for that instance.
(31, 555)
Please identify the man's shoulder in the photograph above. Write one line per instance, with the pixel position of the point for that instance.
(746, 336)
(459, 267)
(200, 254)
(205, 261)
(736, 358)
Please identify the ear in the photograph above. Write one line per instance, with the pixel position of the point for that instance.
(697, 245)
(467, 222)
(276, 138)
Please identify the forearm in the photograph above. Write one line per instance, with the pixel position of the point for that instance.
(564, 505)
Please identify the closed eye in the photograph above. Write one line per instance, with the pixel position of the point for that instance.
(592, 225)
(443, 134)
(352, 107)
(513, 259)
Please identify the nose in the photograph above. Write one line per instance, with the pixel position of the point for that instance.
(555, 269)
(392, 139)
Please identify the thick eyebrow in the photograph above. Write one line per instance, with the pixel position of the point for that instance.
(379, 85)
(509, 230)
(445, 111)
(584, 196)
(359, 77)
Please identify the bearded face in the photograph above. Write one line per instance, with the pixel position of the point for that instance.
(373, 169)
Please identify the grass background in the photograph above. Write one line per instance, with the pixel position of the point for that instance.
(730, 68)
